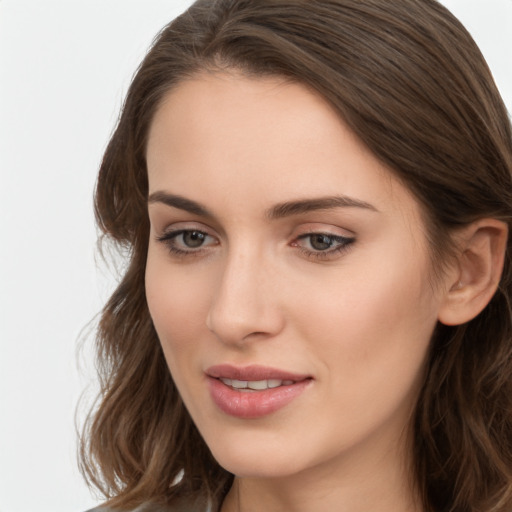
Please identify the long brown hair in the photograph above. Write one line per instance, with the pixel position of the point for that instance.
(411, 83)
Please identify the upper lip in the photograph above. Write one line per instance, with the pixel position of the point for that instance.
(252, 373)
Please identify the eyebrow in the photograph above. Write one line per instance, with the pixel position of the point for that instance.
(281, 210)
(321, 203)
(179, 202)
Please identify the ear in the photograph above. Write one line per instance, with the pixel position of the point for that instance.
(476, 271)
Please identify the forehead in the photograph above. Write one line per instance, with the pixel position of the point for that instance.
(263, 139)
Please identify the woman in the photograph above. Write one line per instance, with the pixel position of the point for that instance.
(315, 197)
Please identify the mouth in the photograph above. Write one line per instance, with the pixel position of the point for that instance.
(254, 391)
(256, 385)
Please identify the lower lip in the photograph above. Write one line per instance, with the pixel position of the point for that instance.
(253, 404)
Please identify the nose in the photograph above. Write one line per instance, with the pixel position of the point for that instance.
(245, 304)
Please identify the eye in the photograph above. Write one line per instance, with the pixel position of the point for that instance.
(321, 242)
(322, 245)
(186, 241)
(193, 239)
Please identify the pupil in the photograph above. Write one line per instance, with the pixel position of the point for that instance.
(321, 242)
(193, 238)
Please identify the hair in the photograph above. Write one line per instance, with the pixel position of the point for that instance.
(410, 82)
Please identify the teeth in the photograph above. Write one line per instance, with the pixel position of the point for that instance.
(257, 385)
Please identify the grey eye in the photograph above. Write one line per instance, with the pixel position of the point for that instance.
(193, 239)
(321, 242)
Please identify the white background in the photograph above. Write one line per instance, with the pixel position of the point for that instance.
(64, 69)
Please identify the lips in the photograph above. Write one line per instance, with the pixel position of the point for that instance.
(253, 391)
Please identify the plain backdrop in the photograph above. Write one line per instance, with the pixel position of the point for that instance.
(64, 69)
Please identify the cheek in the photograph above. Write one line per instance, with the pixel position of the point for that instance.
(371, 331)
(178, 302)
(178, 305)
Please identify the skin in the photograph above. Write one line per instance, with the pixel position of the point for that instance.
(357, 321)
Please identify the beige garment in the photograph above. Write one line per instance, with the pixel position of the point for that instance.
(182, 506)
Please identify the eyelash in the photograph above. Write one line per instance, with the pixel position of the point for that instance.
(343, 244)
(168, 239)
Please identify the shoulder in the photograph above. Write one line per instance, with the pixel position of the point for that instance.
(141, 508)
(182, 506)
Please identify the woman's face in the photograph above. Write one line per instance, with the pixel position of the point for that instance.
(287, 278)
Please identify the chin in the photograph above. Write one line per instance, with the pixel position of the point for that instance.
(245, 466)
(257, 457)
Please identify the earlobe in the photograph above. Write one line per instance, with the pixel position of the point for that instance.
(477, 272)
